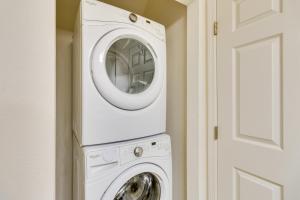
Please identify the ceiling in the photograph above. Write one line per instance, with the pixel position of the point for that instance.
(162, 11)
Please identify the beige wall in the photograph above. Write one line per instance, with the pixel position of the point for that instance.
(27, 100)
(176, 27)
(63, 112)
(176, 103)
(197, 101)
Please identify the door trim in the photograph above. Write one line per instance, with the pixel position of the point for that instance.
(201, 101)
(212, 113)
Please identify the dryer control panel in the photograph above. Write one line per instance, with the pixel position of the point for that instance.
(93, 10)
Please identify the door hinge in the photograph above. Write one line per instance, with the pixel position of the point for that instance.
(216, 133)
(215, 28)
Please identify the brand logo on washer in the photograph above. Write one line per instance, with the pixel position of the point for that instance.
(95, 156)
(133, 17)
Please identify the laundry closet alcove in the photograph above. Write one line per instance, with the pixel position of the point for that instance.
(173, 16)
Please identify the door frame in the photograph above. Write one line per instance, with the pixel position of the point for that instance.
(212, 113)
(201, 100)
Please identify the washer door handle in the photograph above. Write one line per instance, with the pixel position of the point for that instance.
(138, 151)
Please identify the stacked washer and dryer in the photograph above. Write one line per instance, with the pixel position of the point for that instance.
(119, 109)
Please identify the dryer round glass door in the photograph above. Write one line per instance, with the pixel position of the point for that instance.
(143, 186)
(128, 68)
(140, 182)
(130, 65)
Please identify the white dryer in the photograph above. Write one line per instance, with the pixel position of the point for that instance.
(135, 170)
(119, 75)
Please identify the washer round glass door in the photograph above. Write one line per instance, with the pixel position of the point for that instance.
(140, 182)
(126, 69)
(143, 186)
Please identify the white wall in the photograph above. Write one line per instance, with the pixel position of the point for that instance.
(27, 100)
(176, 102)
(63, 112)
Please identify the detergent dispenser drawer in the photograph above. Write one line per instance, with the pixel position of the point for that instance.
(99, 161)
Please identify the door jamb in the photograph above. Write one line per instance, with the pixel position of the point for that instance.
(212, 113)
(201, 101)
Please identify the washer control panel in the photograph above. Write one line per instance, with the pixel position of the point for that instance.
(152, 148)
(100, 160)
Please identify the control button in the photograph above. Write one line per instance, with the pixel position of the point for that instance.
(133, 17)
(138, 151)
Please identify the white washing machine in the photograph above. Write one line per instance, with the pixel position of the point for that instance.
(119, 75)
(134, 170)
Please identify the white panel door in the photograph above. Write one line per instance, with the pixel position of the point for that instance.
(258, 56)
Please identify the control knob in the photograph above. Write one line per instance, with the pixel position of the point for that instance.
(138, 151)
